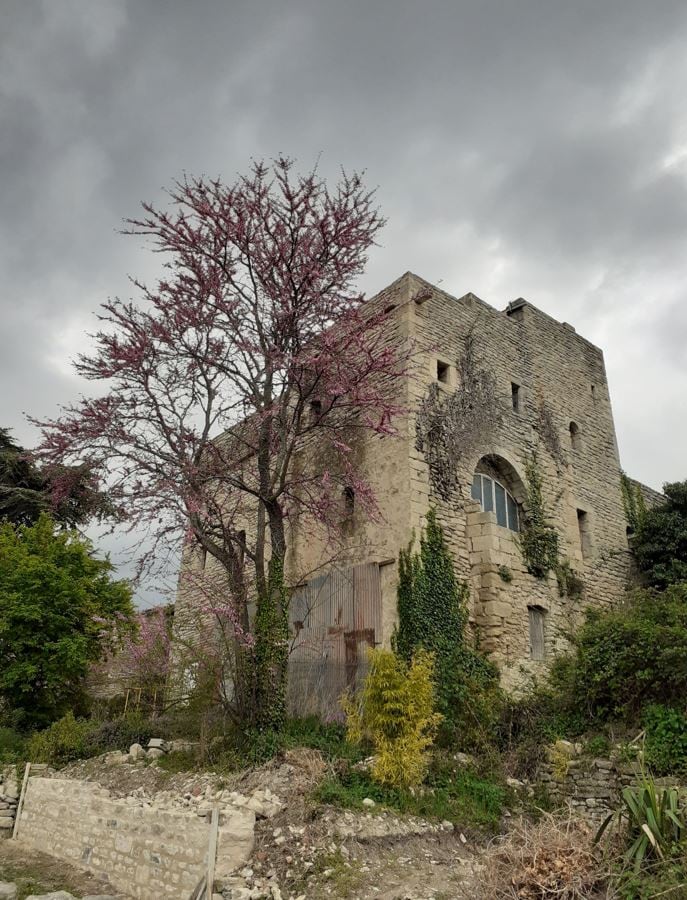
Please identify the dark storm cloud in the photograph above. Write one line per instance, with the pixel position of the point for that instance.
(529, 148)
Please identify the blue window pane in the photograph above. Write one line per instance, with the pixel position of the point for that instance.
(477, 488)
(500, 504)
(487, 494)
(512, 514)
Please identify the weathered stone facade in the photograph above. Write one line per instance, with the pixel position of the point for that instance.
(543, 394)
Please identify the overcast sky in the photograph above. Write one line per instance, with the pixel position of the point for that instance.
(521, 148)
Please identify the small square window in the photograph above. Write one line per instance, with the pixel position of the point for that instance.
(442, 371)
(315, 410)
(515, 396)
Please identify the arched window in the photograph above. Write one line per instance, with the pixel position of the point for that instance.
(492, 496)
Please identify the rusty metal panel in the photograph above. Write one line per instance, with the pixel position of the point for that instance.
(333, 620)
(368, 599)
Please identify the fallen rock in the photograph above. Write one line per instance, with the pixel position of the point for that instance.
(8, 890)
(136, 752)
(158, 744)
(154, 753)
(567, 748)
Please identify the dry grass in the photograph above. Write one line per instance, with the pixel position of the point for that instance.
(552, 859)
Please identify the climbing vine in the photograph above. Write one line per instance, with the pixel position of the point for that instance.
(538, 540)
(271, 650)
(450, 426)
(433, 614)
(569, 582)
(431, 600)
(633, 501)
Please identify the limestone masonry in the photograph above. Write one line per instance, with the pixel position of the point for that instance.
(540, 391)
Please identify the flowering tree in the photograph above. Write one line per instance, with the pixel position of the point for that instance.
(253, 345)
(139, 660)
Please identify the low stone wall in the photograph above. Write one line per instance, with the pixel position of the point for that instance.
(9, 793)
(139, 849)
(591, 786)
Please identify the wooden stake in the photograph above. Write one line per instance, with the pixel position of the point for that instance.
(20, 804)
(212, 851)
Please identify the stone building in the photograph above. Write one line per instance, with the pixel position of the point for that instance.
(490, 394)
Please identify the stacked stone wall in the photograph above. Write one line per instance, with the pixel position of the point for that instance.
(143, 851)
(9, 795)
(593, 787)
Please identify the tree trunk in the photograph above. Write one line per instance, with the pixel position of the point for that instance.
(271, 631)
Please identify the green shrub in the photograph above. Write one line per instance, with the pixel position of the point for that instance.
(598, 745)
(660, 541)
(395, 713)
(665, 746)
(652, 819)
(12, 745)
(448, 793)
(60, 743)
(627, 657)
(119, 734)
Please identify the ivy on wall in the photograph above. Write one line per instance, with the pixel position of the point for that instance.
(569, 582)
(432, 615)
(633, 501)
(450, 426)
(538, 539)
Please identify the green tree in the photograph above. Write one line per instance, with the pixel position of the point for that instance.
(627, 657)
(68, 493)
(660, 542)
(58, 609)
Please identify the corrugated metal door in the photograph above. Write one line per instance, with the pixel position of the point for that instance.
(333, 619)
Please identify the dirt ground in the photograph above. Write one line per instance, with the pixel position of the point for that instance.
(38, 873)
(312, 851)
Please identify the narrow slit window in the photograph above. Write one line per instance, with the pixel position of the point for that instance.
(315, 410)
(537, 632)
(241, 540)
(575, 439)
(348, 501)
(585, 533)
(442, 371)
(515, 396)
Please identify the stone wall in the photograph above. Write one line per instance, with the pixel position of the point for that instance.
(139, 849)
(9, 794)
(592, 786)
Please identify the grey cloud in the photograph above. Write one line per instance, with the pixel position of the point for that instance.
(528, 148)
